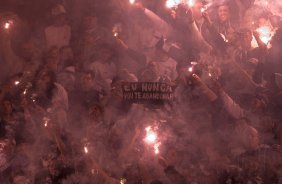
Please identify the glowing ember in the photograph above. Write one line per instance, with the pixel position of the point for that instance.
(122, 181)
(203, 10)
(46, 121)
(7, 25)
(17, 83)
(152, 139)
(85, 149)
(190, 69)
(224, 38)
(172, 3)
(131, 1)
(156, 148)
(265, 34)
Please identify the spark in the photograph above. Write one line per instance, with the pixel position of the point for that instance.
(152, 139)
(7, 25)
(131, 1)
(46, 121)
(85, 149)
(172, 3)
(190, 69)
(224, 37)
(151, 136)
(156, 148)
(17, 83)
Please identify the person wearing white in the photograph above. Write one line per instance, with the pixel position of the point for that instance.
(59, 33)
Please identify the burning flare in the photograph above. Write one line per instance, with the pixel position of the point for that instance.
(122, 181)
(190, 69)
(85, 149)
(46, 121)
(156, 148)
(172, 3)
(152, 139)
(190, 3)
(131, 1)
(7, 25)
(17, 83)
(265, 34)
(151, 136)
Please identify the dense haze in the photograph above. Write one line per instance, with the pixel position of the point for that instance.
(140, 91)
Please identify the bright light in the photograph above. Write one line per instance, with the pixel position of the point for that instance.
(17, 83)
(85, 149)
(210, 74)
(265, 35)
(122, 181)
(172, 3)
(151, 136)
(46, 121)
(152, 139)
(131, 1)
(7, 25)
(190, 3)
(190, 69)
(224, 38)
(115, 34)
(156, 148)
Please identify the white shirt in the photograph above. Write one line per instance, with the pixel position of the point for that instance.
(104, 73)
(104, 70)
(57, 36)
